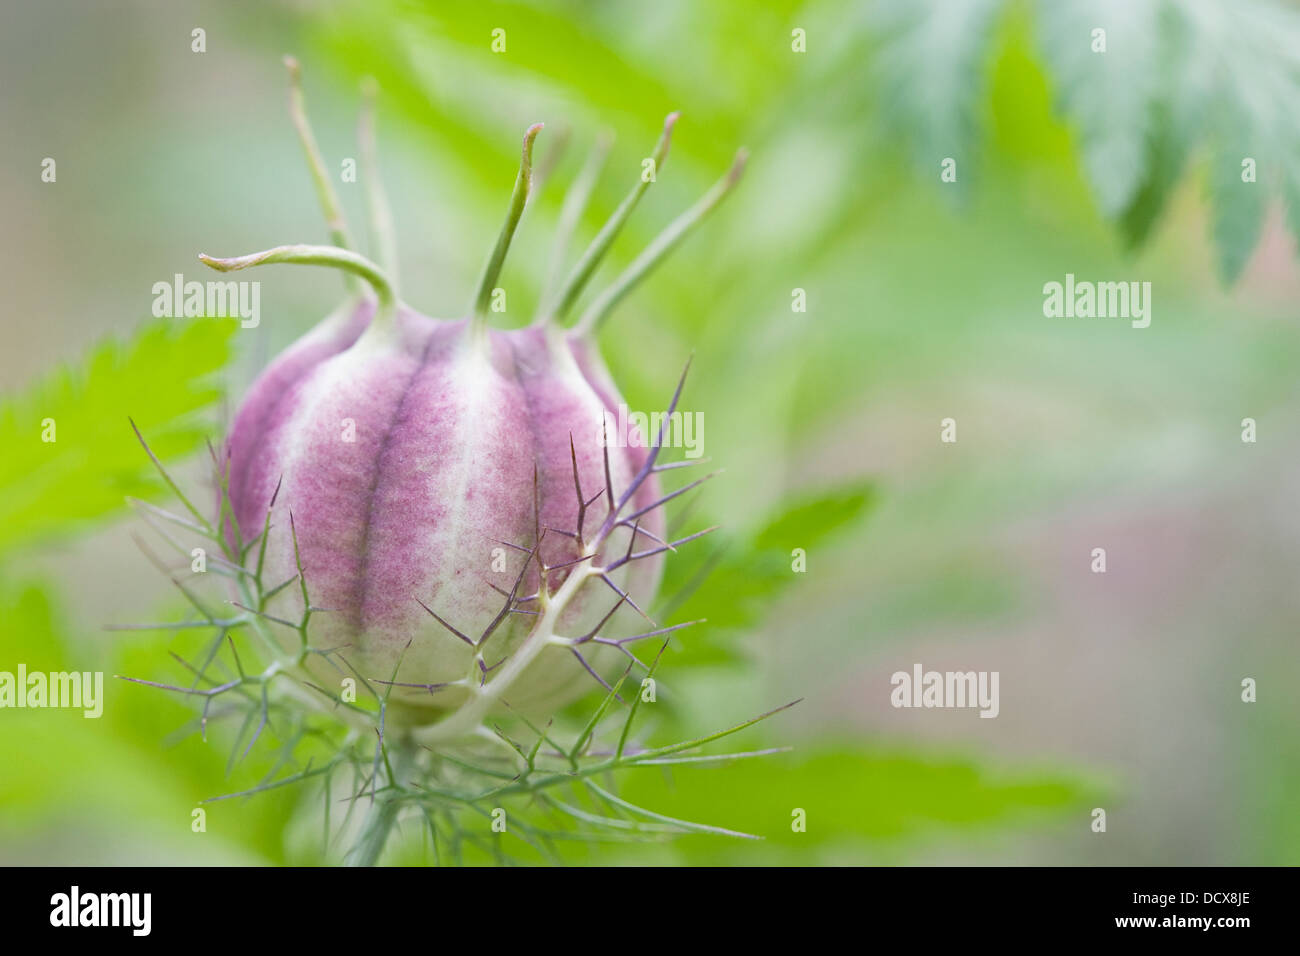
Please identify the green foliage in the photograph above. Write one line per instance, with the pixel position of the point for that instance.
(114, 776)
(853, 794)
(745, 574)
(1106, 94)
(931, 61)
(161, 377)
(1177, 81)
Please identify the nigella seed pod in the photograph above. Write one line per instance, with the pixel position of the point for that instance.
(412, 464)
(451, 506)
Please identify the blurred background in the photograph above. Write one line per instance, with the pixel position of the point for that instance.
(924, 302)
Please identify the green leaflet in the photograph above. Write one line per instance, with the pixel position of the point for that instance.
(811, 520)
(161, 377)
(1106, 94)
(741, 576)
(932, 68)
(1238, 216)
(857, 797)
(1227, 77)
(1211, 82)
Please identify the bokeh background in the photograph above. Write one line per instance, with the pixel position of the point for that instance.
(924, 301)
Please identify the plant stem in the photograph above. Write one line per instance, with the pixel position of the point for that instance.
(575, 203)
(518, 199)
(329, 200)
(582, 272)
(315, 256)
(673, 233)
(382, 230)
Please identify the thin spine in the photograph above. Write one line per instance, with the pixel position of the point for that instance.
(204, 526)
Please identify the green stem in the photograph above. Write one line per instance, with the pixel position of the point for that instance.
(329, 200)
(586, 266)
(518, 199)
(302, 255)
(382, 230)
(657, 251)
(575, 203)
